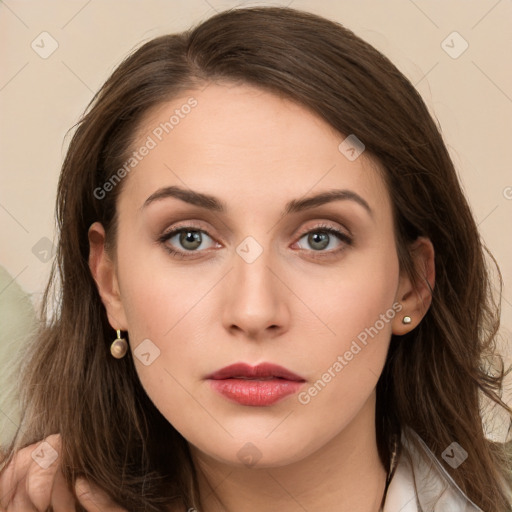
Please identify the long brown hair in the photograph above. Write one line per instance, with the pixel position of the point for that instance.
(433, 378)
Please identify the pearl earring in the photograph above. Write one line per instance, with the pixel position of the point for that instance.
(406, 320)
(119, 346)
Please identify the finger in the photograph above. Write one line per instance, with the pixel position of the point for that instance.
(20, 500)
(42, 472)
(62, 499)
(93, 499)
(8, 484)
(21, 503)
(12, 476)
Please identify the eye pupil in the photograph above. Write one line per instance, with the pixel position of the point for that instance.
(320, 238)
(193, 237)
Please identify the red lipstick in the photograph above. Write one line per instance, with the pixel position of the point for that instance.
(260, 385)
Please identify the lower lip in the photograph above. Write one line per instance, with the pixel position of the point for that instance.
(255, 392)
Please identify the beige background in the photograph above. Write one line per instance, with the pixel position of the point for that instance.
(41, 98)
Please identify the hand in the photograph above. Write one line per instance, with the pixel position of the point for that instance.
(27, 486)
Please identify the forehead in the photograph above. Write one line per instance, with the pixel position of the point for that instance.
(239, 142)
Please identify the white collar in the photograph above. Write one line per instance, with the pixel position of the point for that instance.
(421, 484)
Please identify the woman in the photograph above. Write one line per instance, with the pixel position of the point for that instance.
(273, 290)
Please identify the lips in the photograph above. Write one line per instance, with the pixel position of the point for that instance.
(263, 371)
(258, 386)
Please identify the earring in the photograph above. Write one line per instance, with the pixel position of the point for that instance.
(406, 320)
(119, 346)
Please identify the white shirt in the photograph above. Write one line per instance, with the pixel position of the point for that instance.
(435, 491)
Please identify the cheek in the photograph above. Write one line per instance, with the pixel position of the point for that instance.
(162, 307)
(155, 292)
(356, 307)
(349, 298)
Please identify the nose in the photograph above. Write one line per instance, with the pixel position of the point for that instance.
(256, 304)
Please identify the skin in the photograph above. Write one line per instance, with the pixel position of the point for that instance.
(255, 151)
(27, 486)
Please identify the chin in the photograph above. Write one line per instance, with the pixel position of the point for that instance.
(256, 452)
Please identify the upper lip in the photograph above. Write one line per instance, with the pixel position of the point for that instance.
(261, 370)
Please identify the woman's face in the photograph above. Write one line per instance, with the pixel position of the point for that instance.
(256, 280)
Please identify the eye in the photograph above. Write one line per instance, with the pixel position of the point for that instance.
(325, 236)
(189, 239)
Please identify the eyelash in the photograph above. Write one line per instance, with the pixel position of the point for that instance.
(322, 228)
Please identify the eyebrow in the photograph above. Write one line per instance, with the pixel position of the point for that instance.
(211, 203)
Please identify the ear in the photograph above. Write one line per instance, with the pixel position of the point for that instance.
(415, 296)
(104, 273)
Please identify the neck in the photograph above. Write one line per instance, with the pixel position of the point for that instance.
(345, 475)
